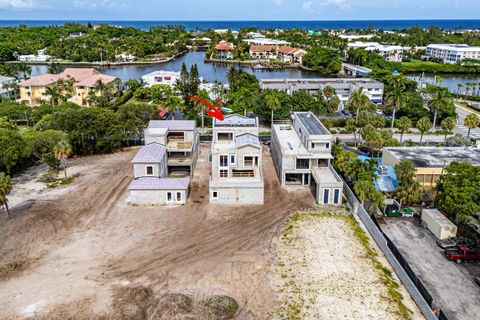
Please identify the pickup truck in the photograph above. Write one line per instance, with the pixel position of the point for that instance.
(463, 253)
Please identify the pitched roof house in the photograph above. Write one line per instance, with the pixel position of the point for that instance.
(33, 90)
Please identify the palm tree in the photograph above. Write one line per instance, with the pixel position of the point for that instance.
(439, 102)
(62, 151)
(447, 125)
(405, 171)
(364, 189)
(53, 93)
(395, 98)
(403, 124)
(423, 125)
(471, 121)
(247, 97)
(272, 101)
(459, 87)
(5, 188)
(53, 68)
(359, 99)
(173, 104)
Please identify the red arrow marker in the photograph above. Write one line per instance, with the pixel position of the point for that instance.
(214, 112)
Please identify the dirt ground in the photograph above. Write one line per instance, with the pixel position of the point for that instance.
(322, 271)
(80, 252)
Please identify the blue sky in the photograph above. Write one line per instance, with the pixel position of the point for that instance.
(238, 9)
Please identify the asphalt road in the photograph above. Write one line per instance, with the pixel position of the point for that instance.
(451, 285)
(461, 128)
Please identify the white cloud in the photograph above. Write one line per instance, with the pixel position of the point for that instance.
(307, 7)
(94, 5)
(342, 4)
(19, 4)
(278, 3)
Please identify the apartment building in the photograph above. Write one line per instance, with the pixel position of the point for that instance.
(452, 53)
(284, 53)
(151, 184)
(236, 157)
(343, 86)
(301, 153)
(266, 42)
(34, 90)
(181, 140)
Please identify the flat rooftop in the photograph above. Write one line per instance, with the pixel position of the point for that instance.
(311, 123)
(325, 175)
(289, 140)
(433, 157)
(236, 120)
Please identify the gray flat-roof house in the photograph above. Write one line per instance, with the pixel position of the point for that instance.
(181, 139)
(301, 153)
(343, 86)
(236, 156)
(5, 86)
(150, 185)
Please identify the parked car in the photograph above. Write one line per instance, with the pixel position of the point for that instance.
(365, 149)
(454, 242)
(379, 112)
(463, 253)
(346, 112)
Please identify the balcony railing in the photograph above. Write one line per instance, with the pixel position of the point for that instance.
(179, 144)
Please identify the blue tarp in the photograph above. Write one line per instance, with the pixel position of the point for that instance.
(386, 178)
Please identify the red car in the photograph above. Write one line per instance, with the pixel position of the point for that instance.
(463, 253)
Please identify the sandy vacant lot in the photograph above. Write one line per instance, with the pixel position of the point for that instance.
(324, 270)
(81, 252)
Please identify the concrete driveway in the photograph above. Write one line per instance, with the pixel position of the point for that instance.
(461, 128)
(451, 285)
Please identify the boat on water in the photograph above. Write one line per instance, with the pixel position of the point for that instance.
(258, 67)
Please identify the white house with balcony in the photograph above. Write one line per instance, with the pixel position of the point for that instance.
(6, 86)
(151, 184)
(161, 77)
(236, 157)
(301, 153)
(163, 166)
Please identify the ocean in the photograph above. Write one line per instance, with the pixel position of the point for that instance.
(236, 25)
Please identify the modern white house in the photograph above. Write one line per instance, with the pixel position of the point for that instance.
(181, 138)
(236, 157)
(301, 153)
(351, 37)
(5, 86)
(39, 57)
(163, 166)
(452, 53)
(150, 185)
(343, 86)
(161, 77)
(125, 57)
(388, 52)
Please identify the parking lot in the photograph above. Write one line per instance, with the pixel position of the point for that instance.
(451, 285)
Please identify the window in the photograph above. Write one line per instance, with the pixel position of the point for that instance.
(223, 173)
(336, 196)
(326, 195)
(169, 197)
(215, 195)
(312, 145)
(149, 170)
(327, 145)
(303, 164)
(225, 136)
(223, 161)
(179, 196)
(248, 161)
(232, 159)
